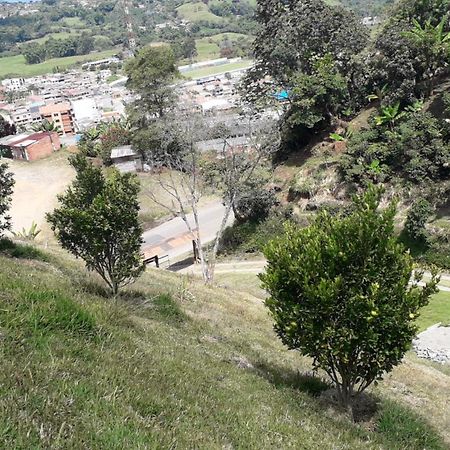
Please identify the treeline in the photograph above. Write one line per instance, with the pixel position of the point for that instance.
(36, 53)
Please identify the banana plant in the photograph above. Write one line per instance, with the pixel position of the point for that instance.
(389, 115)
(28, 235)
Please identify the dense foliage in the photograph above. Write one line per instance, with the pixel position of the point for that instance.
(150, 75)
(414, 150)
(6, 190)
(340, 294)
(97, 221)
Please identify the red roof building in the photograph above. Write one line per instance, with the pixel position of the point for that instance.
(29, 146)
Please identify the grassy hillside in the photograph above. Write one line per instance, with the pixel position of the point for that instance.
(197, 12)
(16, 65)
(208, 47)
(175, 364)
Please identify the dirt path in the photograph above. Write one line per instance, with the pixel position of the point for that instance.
(36, 188)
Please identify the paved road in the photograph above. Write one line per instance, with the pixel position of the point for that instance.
(172, 237)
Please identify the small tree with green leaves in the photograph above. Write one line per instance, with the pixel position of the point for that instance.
(97, 221)
(340, 293)
(417, 217)
(6, 190)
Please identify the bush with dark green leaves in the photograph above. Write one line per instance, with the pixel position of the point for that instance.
(417, 218)
(415, 150)
(339, 292)
(6, 190)
(97, 221)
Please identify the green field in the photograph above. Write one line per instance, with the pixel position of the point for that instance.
(60, 35)
(216, 70)
(438, 310)
(73, 22)
(208, 47)
(196, 12)
(16, 65)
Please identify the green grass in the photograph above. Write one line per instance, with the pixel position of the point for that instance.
(20, 251)
(73, 22)
(196, 12)
(16, 65)
(208, 71)
(208, 47)
(438, 310)
(59, 35)
(157, 368)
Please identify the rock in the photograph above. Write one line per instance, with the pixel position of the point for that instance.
(241, 362)
(433, 344)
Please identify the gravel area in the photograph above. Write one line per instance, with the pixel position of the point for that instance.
(434, 344)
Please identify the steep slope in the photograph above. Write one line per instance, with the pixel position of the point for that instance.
(175, 364)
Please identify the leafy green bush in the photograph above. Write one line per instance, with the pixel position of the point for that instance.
(417, 218)
(251, 237)
(415, 150)
(339, 293)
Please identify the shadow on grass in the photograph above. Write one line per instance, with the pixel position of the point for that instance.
(306, 382)
(21, 251)
(387, 421)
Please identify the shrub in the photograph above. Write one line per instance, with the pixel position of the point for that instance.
(339, 293)
(417, 218)
(6, 190)
(97, 221)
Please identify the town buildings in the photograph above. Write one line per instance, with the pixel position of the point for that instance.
(61, 114)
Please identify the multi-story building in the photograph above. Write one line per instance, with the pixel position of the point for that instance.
(61, 114)
(14, 84)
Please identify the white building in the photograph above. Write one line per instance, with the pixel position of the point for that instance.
(86, 113)
(14, 84)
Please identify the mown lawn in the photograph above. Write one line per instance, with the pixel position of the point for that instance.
(174, 364)
(16, 65)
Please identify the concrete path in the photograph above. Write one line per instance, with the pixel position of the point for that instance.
(172, 238)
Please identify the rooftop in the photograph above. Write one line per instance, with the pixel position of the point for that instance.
(23, 139)
(121, 152)
(55, 107)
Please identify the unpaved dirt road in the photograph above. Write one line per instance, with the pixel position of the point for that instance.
(37, 185)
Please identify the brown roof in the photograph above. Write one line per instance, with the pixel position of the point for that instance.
(55, 107)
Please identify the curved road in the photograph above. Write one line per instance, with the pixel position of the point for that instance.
(172, 237)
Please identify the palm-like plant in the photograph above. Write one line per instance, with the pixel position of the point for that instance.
(434, 44)
(389, 115)
(47, 127)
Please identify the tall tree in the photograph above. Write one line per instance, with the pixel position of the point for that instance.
(340, 293)
(97, 221)
(6, 128)
(6, 190)
(183, 172)
(150, 75)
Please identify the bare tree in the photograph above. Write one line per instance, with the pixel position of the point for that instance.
(182, 171)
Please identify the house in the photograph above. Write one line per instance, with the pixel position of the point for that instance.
(86, 113)
(61, 114)
(29, 146)
(125, 159)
